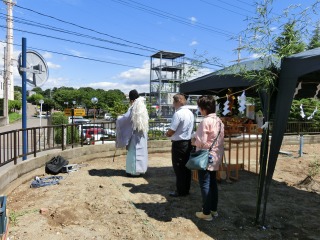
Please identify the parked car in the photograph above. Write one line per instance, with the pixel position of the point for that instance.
(110, 132)
(94, 134)
(108, 117)
(97, 134)
(162, 127)
(78, 120)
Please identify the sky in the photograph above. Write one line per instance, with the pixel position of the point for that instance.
(107, 44)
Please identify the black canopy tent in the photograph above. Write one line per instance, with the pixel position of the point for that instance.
(218, 83)
(302, 67)
(299, 68)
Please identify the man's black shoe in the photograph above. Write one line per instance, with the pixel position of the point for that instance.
(176, 194)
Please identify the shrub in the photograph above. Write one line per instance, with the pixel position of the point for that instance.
(58, 118)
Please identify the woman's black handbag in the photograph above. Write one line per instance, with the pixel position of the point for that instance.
(198, 160)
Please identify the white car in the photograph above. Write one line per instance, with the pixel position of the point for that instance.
(108, 117)
(109, 132)
(78, 120)
(162, 127)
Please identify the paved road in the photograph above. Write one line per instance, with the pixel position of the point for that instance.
(31, 121)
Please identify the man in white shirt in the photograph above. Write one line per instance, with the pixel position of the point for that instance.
(180, 131)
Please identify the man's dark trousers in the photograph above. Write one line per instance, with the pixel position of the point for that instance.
(180, 154)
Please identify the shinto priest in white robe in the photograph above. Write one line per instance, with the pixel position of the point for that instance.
(132, 131)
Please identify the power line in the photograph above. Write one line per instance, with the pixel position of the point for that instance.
(91, 45)
(232, 5)
(75, 56)
(85, 28)
(49, 27)
(215, 5)
(72, 41)
(173, 17)
(73, 24)
(245, 3)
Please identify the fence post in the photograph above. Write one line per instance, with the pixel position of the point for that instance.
(15, 154)
(301, 146)
(34, 142)
(62, 138)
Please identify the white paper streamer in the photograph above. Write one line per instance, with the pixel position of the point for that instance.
(226, 108)
(297, 89)
(265, 125)
(242, 102)
(312, 115)
(302, 112)
(318, 89)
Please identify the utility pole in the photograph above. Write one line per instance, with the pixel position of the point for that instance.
(239, 52)
(8, 73)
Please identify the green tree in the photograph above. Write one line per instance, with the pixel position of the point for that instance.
(34, 98)
(48, 104)
(315, 39)
(62, 95)
(14, 105)
(113, 96)
(37, 90)
(118, 109)
(289, 42)
(17, 95)
(47, 93)
(18, 88)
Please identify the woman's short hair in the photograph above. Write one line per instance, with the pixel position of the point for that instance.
(133, 95)
(207, 103)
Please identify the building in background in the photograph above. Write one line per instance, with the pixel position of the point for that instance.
(166, 75)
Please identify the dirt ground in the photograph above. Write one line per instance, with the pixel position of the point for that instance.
(100, 202)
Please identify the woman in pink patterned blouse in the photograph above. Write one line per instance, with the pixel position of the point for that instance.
(209, 129)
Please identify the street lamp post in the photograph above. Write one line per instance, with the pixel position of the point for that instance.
(41, 102)
(94, 101)
(72, 110)
(72, 114)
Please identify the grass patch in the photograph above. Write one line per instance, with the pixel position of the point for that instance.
(13, 216)
(14, 117)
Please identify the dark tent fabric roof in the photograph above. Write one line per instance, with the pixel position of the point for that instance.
(302, 67)
(217, 83)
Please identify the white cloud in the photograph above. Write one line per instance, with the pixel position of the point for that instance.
(193, 43)
(273, 29)
(55, 82)
(135, 78)
(136, 75)
(47, 55)
(75, 52)
(193, 19)
(199, 73)
(255, 55)
(122, 86)
(53, 66)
